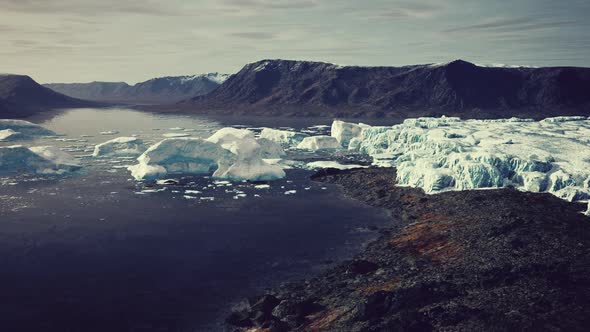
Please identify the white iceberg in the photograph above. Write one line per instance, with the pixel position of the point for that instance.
(181, 156)
(249, 154)
(120, 147)
(230, 153)
(344, 132)
(37, 160)
(284, 137)
(318, 143)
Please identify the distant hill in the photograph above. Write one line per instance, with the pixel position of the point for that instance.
(455, 88)
(20, 95)
(163, 90)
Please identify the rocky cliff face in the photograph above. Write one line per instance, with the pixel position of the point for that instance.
(162, 90)
(457, 88)
(21, 95)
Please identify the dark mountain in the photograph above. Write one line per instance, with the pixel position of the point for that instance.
(20, 95)
(456, 88)
(163, 90)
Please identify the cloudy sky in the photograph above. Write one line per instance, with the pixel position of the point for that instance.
(133, 40)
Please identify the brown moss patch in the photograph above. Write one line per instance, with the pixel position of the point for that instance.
(386, 286)
(326, 319)
(428, 237)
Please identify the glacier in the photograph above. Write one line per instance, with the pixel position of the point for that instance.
(45, 160)
(120, 147)
(230, 153)
(448, 153)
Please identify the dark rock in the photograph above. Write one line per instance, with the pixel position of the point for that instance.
(362, 266)
(240, 319)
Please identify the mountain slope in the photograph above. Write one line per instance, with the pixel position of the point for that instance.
(21, 95)
(163, 90)
(458, 87)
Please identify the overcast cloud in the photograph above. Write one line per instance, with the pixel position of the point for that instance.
(133, 40)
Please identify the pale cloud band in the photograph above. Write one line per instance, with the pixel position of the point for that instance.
(132, 40)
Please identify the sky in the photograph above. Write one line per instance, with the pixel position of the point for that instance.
(135, 40)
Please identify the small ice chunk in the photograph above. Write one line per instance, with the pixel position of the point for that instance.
(332, 164)
(172, 135)
(284, 137)
(109, 132)
(262, 186)
(290, 192)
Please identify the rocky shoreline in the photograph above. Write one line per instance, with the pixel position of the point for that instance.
(485, 260)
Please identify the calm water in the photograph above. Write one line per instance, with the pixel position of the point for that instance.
(97, 251)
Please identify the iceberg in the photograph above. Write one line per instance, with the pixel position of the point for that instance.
(283, 137)
(230, 153)
(9, 135)
(20, 129)
(181, 156)
(249, 154)
(317, 143)
(47, 160)
(344, 132)
(120, 147)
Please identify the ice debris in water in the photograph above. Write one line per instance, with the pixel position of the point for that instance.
(332, 164)
(36, 160)
(318, 143)
(234, 154)
(109, 132)
(11, 130)
(120, 147)
(447, 153)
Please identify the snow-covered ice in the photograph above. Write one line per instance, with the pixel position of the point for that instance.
(230, 153)
(36, 160)
(284, 137)
(317, 143)
(121, 146)
(181, 156)
(435, 154)
(344, 131)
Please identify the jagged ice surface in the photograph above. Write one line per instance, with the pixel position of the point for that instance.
(120, 147)
(552, 155)
(36, 160)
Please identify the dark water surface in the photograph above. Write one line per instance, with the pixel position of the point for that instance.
(92, 252)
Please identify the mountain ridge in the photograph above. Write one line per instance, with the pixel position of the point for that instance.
(20, 96)
(159, 90)
(455, 88)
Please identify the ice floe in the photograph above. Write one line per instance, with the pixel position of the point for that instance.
(122, 146)
(435, 154)
(47, 160)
